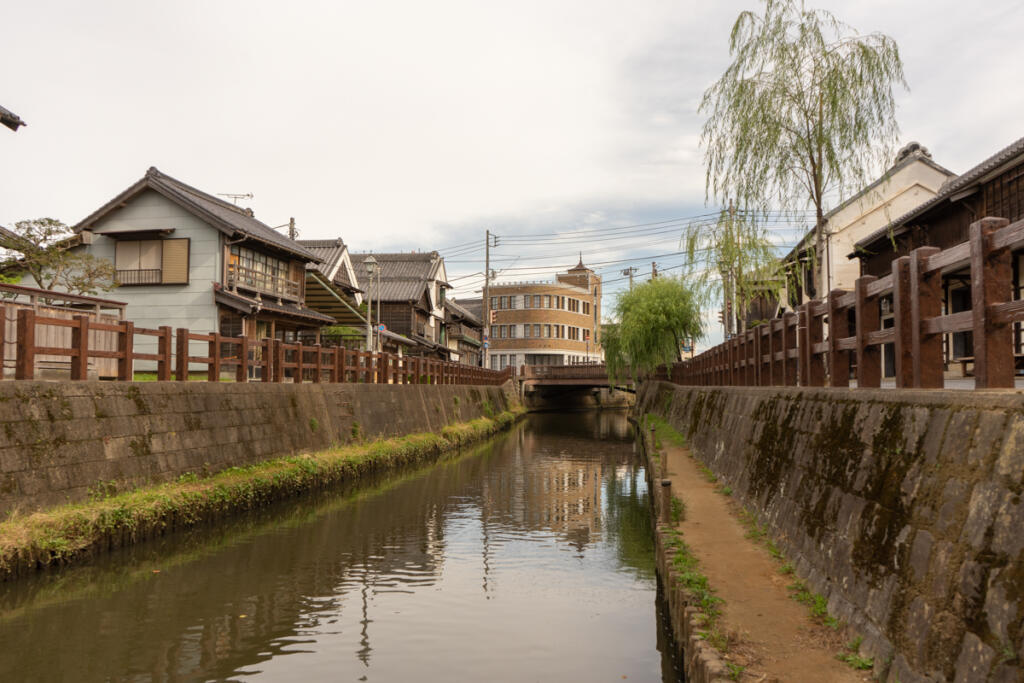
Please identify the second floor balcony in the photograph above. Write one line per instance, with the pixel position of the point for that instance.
(241, 277)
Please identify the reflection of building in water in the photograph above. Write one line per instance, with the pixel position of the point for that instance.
(557, 485)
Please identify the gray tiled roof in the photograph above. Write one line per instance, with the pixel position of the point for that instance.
(330, 261)
(220, 214)
(403, 276)
(950, 188)
(473, 306)
(250, 304)
(460, 311)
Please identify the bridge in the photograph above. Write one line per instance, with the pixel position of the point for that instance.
(567, 384)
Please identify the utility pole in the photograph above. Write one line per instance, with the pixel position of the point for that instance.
(487, 299)
(654, 270)
(630, 271)
(729, 283)
(292, 233)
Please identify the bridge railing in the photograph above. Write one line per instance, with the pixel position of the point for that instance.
(576, 371)
(818, 345)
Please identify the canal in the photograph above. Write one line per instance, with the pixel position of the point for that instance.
(528, 558)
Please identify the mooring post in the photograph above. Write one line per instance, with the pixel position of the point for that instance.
(666, 501)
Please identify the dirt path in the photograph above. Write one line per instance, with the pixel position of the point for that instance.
(776, 637)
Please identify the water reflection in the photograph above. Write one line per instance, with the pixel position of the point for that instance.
(529, 558)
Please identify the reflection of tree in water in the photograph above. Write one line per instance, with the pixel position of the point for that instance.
(295, 569)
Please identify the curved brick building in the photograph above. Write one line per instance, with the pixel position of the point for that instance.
(546, 323)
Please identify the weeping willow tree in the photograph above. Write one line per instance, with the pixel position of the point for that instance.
(655, 319)
(731, 260)
(805, 111)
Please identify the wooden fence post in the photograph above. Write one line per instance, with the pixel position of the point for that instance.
(3, 339)
(991, 283)
(126, 351)
(815, 336)
(903, 322)
(318, 350)
(80, 344)
(838, 328)
(181, 355)
(278, 346)
(790, 343)
(869, 356)
(164, 342)
(242, 369)
(339, 361)
(25, 363)
(925, 302)
(297, 372)
(213, 367)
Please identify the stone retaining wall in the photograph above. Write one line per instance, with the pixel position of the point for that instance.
(59, 442)
(904, 509)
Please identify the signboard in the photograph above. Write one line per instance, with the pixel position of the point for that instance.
(382, 327)
(487, 345)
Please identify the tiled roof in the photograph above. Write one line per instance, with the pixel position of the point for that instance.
(251, 305)
(403, 276)
(461, 311)
(330, 260)
(10, 119)
(474, 306)
(950, 188)
(226, 217)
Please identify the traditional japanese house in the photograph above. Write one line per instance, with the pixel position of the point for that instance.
(185, 258)
(410, 290)
(332, 289)
(995, 187)
(464, 331)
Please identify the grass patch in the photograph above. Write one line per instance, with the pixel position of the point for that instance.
(725, 490)
(708, 474)
(734, 670)
(695, 583)
(678, 510)
(851, 656)
(663, 431)
(65, 533)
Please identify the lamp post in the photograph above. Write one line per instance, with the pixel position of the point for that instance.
(371, 268)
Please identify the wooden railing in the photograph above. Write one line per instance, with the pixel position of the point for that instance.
(820, 342)
(249, 278)
(275, 360)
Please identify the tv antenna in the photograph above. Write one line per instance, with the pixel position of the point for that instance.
(235, 197)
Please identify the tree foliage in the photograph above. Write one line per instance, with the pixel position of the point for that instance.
(733, 260)
(805, 110)
(654, 320)
(42, 249)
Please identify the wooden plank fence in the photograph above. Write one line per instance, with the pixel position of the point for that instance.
(818, 344)
(272, 359)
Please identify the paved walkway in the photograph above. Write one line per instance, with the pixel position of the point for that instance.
(776, 638)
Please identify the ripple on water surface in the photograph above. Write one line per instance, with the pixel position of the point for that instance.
(529, 558)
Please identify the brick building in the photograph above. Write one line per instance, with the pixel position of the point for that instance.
(546, 323)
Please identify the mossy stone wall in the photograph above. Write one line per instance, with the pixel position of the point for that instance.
(904, 508)
(61, 442)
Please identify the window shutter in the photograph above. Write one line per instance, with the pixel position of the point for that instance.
(175, 261)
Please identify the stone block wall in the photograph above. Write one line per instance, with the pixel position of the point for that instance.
(903, 508)
(59, 442)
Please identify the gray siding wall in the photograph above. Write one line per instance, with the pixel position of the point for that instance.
(190, 305)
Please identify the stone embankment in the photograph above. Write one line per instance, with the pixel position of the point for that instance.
(67, 442)
(903, 508)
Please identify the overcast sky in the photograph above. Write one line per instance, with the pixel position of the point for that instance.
(415, 125)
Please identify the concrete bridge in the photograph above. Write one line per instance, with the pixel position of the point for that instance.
(572, 385)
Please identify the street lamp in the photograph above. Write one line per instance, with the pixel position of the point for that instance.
(371, 269)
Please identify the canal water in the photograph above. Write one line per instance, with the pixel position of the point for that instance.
(529, 558)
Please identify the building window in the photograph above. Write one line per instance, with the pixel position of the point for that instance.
(151, 262)
(494, 332)
(536, 300)
(574, 305)
(255, 270)
(526, 301)
(547, 331)
(512, 331)
(536, 331)
(526, 330)
(586, 308)
(494, 303)
(503, 302)
(494, 361)
(512, 302)
(501, 329)
(547, 301)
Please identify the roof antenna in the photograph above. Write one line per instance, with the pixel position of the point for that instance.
(235, 197)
